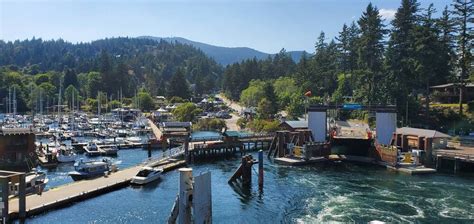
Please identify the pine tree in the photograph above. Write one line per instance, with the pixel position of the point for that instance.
(463, 11)
(70, 78)
(427, 48)
(370, 51)
(401, 51)
(178, 86)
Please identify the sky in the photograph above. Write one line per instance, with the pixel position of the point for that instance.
(265, 25)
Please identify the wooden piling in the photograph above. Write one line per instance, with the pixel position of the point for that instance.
(260, 169)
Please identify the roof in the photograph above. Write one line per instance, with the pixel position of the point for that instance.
(469, 85)
(422, 132)
(15, 131)
(176, 124)
(296, 124)
(231, 134)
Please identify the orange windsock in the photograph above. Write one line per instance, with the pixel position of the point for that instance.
(308, 94)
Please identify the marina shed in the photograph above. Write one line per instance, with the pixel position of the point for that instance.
(17, 147)
(413, 138)
(294, 125)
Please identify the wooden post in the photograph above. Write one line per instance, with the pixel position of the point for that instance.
(260, 169)
(4, 200)
(186, 148)
(185, 195)
(22, 197)
(149, 150)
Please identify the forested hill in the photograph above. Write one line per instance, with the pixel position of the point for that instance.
(226, 55)
(143, 62)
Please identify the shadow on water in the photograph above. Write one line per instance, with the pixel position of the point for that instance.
(147, 187)
(243, 190)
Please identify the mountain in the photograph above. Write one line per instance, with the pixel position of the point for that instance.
(225, 55)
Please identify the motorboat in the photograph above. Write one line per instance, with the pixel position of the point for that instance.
(146, 175)
(92, 149)
(35, 182)
(66, 154)
(135, 140)
(90, 169)
(109, 150)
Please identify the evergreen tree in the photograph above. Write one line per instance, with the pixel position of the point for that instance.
(178, 86)
(401, 51)
(463, 11)
(70, 78)
(370, 51)
(428, 48)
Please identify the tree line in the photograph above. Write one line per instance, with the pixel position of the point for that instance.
(369, 63)
(117, 67)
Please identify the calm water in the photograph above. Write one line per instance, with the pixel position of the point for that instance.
(321, 193)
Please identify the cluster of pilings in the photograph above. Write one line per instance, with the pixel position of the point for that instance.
(279, 144)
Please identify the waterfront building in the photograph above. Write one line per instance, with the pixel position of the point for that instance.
(17, 148)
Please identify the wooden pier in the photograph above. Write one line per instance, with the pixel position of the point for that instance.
(460, 159)
(77, 191)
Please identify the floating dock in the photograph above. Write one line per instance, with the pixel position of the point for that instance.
(412, 170)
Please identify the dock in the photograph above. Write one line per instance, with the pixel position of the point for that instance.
(156, 131)
(459, 159)
(80, 190)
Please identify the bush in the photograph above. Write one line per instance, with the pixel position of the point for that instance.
(242, 123)
(209, 124)
(260, 125)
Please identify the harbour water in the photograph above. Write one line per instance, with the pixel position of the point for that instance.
(341, 192)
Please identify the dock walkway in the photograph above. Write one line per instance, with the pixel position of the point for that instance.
(80, 190)
(156, 131)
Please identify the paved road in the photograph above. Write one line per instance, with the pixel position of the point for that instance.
(232, 122)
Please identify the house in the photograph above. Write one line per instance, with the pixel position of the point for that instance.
(160, 100)
(294, 125)
(17, 148)
(449, 93)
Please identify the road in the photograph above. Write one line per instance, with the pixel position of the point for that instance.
(231, 122)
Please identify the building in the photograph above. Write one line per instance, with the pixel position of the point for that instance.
(160, 100)
(17, 148)
(449, 93)
(294, 125)
(414, 138)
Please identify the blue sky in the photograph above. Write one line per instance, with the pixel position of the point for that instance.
(260, 24)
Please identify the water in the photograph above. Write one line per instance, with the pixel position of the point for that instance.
(341, 192)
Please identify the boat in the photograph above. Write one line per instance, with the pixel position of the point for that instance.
(133, 140)
(92, 149)
(146, 175)
(108, 150)
(35, 182)
(66, 154)
(90, 169)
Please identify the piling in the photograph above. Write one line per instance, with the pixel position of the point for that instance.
(260, 169)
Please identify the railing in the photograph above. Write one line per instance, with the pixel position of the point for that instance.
(244, 136)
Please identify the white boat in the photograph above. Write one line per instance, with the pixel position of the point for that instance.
(133, 139)
(66, 155)
(146, 175)
(92, 149)
(35, 182)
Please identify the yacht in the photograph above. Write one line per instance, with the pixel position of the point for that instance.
(90, 169)
(66, 154)
(146, 175)
(35, 182)
(92, 149)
